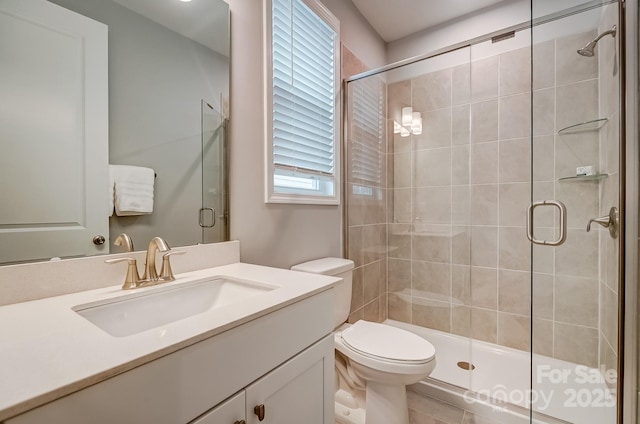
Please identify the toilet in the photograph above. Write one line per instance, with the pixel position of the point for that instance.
(374, 362)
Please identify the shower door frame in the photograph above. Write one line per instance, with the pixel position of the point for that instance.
(627, 391)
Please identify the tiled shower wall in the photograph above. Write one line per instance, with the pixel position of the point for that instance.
(458, 257)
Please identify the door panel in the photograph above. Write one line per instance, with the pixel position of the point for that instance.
(53, 132)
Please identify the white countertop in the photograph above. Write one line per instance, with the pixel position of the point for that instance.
(48, 351)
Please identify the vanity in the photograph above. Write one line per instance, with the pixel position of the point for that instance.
(252, 345)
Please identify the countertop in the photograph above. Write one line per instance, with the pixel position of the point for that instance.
(48, 351)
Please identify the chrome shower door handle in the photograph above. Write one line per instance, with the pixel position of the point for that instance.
(562, 221)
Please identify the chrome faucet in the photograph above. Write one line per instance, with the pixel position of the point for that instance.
(150, 272)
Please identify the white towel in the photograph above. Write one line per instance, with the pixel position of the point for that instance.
(133, 186)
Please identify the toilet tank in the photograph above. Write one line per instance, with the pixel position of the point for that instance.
(335, 267)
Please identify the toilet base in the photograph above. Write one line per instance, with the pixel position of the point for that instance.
(346, 415)
(386, 404)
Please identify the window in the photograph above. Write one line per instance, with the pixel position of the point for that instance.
(303, 112)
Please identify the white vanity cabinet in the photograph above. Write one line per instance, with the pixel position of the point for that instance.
(283, 361)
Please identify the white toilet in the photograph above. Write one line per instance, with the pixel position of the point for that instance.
(377, 358)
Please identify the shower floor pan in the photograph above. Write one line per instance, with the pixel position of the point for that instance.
(494, 381)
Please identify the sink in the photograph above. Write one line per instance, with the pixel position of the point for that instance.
(139, 312)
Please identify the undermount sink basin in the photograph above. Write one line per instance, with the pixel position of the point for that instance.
(138, 312)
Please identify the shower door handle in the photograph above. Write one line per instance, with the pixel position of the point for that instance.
(562, 221)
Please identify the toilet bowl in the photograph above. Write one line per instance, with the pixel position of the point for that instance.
(374, 362)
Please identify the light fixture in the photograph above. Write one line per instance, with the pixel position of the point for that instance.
(407, 116)
(411, 123)
(185, 1)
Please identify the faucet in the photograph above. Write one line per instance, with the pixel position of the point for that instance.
(150, 277)
(150, 272)
(123, 240)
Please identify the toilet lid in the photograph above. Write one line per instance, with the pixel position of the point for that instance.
(388, 342)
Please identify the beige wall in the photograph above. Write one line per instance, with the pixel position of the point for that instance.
(276, 235)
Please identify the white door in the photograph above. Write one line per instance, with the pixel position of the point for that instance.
(53, 132)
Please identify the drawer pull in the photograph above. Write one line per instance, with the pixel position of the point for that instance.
(259, 411)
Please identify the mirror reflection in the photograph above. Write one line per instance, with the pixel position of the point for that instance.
(166, 84)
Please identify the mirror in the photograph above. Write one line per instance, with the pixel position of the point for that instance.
(168, 91)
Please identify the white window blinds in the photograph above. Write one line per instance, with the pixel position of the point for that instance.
(303, 100)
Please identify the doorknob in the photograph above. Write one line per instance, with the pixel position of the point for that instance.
(608, 221)
(99, 240)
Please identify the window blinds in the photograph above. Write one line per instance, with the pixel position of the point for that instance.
(303, 90)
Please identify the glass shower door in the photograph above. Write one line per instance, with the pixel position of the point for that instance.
(213, 217)
(573, 222)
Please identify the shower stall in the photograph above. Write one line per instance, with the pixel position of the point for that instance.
(482, 193)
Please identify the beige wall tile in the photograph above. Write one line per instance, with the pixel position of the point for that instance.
(514, 292)
(460, 166)
(572, 67)
(401, 205)
(576, 301)
(432, 167)
(484, 122)
(484, 287)
(436, 130)
(484, 204)
(402, 169)
(514, 201)
(431, 314)
(484, 246)
(461, 284)
(484, 325)
(484, 158)
(461, 205)
(431, 280)
(544, 103)
(431, 246)
(371, 282)
(515, 116)
(576, 103)
(357, 290)
(461, 245)
(515, 160)
(461, 125)
(513, 331)
(515, 249)
(484, 79)
(578, 256)
(431, 91)
(576, 344)
(399, 307)
(543, 337)
(609, 316)
(399, 240)
(543, 158)
(461, 90)
(581, 200)
(371, 311)
(543, 296)
(515, 71)
(399, 279)
(432, 205)
(544, 64)
(461, 320)
(355, 246)
(574, 150)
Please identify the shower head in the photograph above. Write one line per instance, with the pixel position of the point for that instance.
(588, 50)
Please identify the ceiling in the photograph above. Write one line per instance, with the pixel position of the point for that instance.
(200, 20)
(399, 18)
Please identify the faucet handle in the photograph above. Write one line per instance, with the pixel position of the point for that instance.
(132, 279)
(166, 273)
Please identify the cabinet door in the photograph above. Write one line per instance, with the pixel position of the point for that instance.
(299, 391)
(231, 411)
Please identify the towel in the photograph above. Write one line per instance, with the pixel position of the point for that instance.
(133, 189)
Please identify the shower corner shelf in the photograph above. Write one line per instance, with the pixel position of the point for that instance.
(593, 125)
(595, 177)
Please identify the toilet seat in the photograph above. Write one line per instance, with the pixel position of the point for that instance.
(385, 348)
